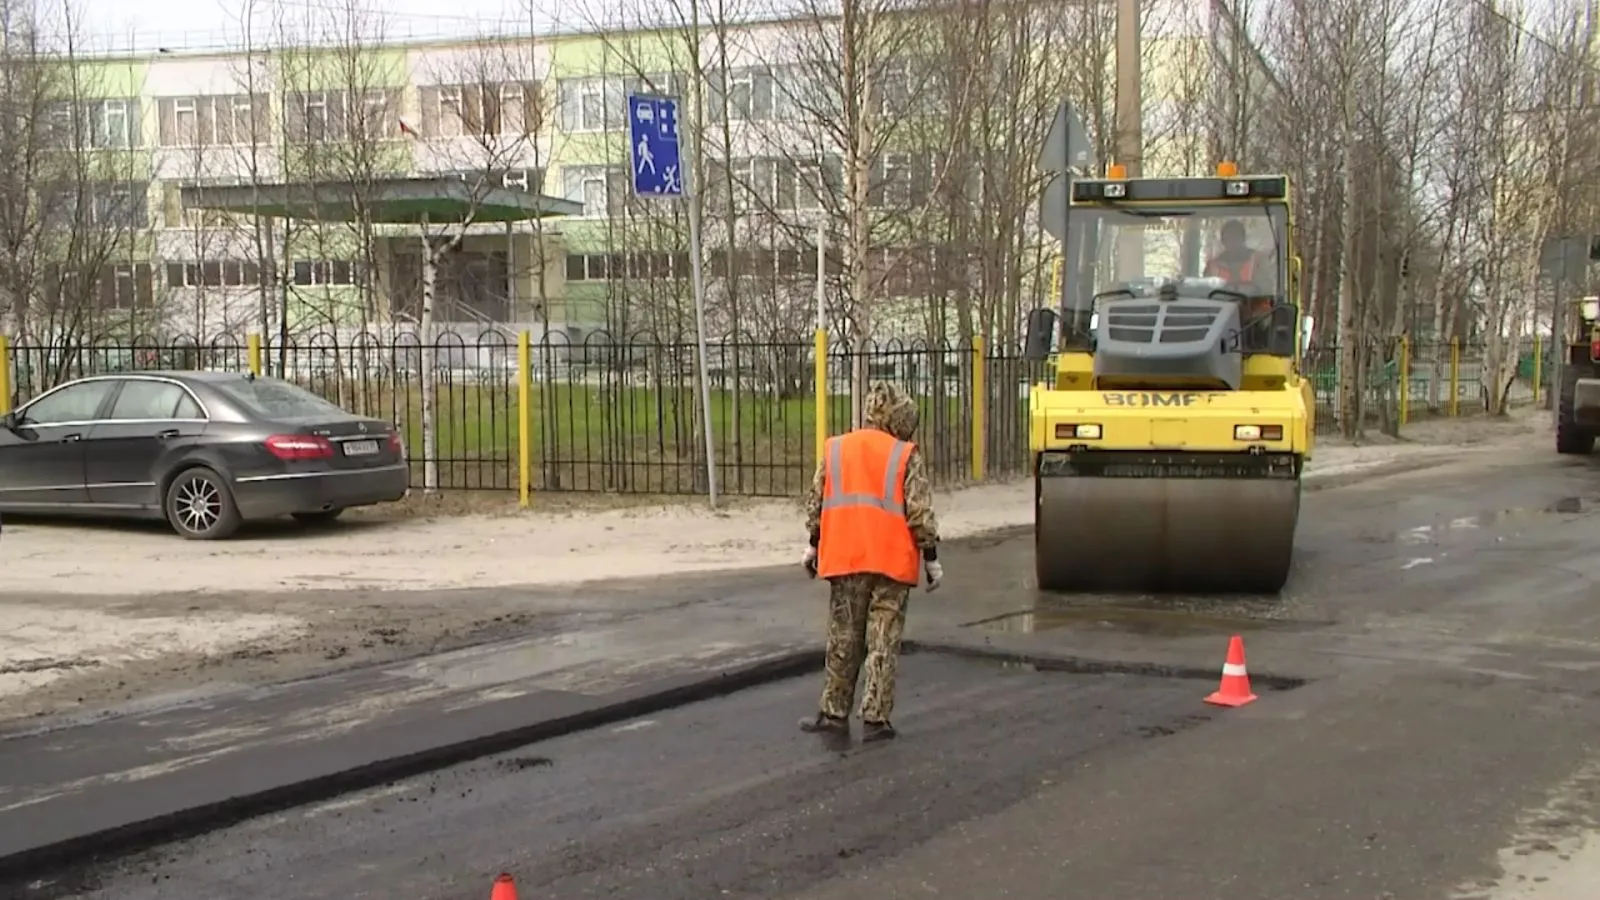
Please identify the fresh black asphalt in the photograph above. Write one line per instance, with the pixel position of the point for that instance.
(721, 798)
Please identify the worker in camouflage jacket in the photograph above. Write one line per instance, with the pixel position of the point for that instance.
(872, 528)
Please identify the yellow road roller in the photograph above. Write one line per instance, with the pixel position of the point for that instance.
(1170, 433)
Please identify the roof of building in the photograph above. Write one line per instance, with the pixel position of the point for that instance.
(387, 201)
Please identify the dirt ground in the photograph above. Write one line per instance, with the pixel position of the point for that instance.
(96, 614)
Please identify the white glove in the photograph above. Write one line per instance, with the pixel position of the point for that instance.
(935, 573)
(810, 562)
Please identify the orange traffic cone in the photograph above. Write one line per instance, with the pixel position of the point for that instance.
(1235, 688)
(504, 888)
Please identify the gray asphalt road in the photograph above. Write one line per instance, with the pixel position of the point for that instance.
(1447, 621)
(724, 798)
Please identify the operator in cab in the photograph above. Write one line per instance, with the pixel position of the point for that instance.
(1237, 264)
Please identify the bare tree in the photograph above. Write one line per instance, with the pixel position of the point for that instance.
(73, 223)
(483, 117)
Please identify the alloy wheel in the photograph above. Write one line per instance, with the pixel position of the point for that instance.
(198, 505)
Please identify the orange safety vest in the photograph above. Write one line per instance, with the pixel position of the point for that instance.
(1246, 270)
(864, 508)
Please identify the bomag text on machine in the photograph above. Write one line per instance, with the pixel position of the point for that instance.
(1168, 447)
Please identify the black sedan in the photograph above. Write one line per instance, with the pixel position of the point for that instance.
(204, 450)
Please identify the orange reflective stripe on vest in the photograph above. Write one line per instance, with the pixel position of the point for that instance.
(864, 508)
(1227, 272)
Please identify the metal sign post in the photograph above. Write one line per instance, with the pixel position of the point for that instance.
(656, 160)
(1564, 260)
(1067, 152)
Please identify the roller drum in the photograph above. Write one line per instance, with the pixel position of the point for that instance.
(1198, 535)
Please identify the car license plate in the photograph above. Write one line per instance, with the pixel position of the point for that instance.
(360, 448)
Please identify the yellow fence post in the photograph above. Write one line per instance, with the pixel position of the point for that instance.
(979, 396)
(819, 378)
(5, 374)
(1538, 368)
(1455, 377)
(252, 346)
(1405, 379)
(524, 420)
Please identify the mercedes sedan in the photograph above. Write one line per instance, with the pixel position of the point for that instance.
(204, 450)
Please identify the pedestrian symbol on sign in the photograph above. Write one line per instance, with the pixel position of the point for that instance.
(645, 157)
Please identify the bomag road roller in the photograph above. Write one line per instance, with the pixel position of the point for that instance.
(1578, 404)
(1169, 437)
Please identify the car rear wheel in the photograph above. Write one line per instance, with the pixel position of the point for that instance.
(320, 517)
(200, 506)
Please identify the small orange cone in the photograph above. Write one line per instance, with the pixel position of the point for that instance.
(1235, 688)
(504, 888)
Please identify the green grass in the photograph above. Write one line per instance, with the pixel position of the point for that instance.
(640, 439)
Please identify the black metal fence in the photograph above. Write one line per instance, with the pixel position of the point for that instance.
(603, 416)
(625, 417)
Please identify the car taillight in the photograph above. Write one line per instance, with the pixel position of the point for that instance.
(1594, 348)
(396, 444)
(299, 446)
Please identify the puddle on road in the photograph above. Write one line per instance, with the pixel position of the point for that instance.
(1463, 526)
(1125, 619)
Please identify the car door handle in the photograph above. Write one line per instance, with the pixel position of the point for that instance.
(167, 435)
(69, 438)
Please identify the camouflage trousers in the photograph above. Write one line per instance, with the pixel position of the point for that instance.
(866, 618)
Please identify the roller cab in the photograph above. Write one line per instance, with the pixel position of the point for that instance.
(1578, 403)
(1170, 435)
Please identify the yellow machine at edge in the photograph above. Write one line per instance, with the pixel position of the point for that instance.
(1169, 448)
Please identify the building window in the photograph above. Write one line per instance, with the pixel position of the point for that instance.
(746, 95)
(901, 181)
(324, 272)
(316, 116)
(379, 119)
(180, 126)
(127, 287)
(603, 190)
(120, 205)
(100, 205)
(105, 205)
(112, 124)
(791, 93)
(243, 119)
(903, 271)
(495, 108)
(592, 104)
(213, 273)
(616, 266)
(817, 181)
(205, 120)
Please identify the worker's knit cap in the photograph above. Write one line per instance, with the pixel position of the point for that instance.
(889, 409)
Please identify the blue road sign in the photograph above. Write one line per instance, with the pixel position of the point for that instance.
(653, 146)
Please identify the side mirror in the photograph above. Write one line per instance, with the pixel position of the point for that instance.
(1040, 339)
(10, 421)
(1306, 325)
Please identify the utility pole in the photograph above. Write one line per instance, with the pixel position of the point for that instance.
(1130, 128)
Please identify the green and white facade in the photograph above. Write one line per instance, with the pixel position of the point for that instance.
(546, 115)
